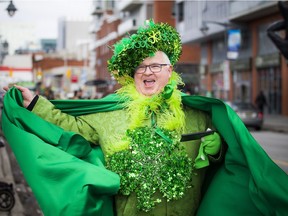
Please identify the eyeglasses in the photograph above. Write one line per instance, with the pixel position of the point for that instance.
(154, 68)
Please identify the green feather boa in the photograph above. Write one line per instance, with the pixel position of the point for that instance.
(168, 103)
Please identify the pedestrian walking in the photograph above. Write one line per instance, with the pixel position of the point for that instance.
(261, 101)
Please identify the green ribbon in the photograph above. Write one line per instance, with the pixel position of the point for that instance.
(166, 94)
(160, 133)
(157, 129)
(153, 119)
(168, 89)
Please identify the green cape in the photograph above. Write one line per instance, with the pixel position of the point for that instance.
(68, 176)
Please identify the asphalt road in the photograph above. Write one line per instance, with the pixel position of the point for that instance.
(276, 146)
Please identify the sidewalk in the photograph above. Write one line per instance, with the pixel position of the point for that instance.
(277, 123)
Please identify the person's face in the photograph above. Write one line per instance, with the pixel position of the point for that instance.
(148, 83)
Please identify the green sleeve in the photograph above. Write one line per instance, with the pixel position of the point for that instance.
(83, 125)
(66, 174)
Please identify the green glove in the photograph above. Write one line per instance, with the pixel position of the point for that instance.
(210, 145)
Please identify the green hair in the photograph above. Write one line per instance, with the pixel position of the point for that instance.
(129, 52)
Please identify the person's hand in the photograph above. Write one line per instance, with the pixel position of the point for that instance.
(211, 143)
(26, 94)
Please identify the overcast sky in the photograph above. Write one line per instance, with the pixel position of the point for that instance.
(45, 13)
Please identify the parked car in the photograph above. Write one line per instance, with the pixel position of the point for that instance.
(248, 113)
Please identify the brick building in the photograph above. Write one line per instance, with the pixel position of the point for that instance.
(204, 65)
(122, 19)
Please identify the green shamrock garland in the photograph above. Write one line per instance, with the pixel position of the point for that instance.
(152, 164)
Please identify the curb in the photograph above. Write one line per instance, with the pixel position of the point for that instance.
(275, 128)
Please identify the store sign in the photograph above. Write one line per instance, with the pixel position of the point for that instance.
(74, 78)
(234, 43)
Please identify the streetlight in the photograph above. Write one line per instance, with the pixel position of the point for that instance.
(232, 37)
(98, 12)
(204, 28)
(11, 8)
(232, 40)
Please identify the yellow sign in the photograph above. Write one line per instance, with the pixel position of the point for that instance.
(39, 74)
(10, 73)
(68, 73)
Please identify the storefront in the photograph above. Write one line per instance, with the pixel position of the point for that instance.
(269, 81)
(241, 72)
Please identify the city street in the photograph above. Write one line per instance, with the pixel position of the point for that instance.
(145, 53)
(275, 144)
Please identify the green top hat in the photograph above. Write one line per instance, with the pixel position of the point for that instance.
(129, 52)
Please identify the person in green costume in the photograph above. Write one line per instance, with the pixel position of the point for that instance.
(141, 143)
(148, 168)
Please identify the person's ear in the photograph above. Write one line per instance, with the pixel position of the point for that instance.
(170, 69)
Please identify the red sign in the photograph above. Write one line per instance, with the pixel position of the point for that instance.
(74, 78)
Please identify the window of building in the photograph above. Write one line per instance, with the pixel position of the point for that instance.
(180, 13)
(110, 4)
(203, 54)
(219, 50)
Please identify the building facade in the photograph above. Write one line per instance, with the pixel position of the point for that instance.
(205, 65)
(117, 19)
(259, 65)
(16, 69)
